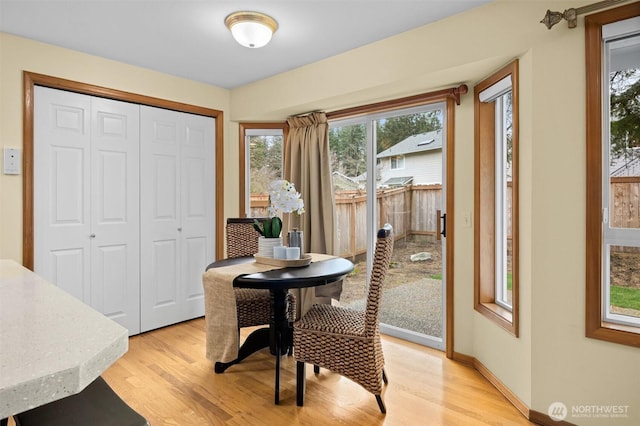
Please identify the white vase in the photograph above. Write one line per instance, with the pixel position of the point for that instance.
(266, 245)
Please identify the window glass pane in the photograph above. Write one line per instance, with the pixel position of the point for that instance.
(397, 162)
(623, 291)
(624, 132)
(504, 204)
(409, 197)
(408, 177)
(265, 165)
(621, 190)
(348, 150)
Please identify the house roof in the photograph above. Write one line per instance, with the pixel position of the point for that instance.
(428, 141)
(398, 181)
(341, 181)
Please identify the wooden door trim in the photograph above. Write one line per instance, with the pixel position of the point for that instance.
(30, 79)
(450, 227)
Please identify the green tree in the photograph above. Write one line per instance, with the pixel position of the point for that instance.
(265, 159)
(625, 112)
(348, 149)
(392, 130)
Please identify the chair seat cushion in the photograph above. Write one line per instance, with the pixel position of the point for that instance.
(96, 405)
(333, 319)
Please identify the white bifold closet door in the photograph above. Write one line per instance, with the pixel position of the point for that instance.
(177, 214)
(86, 200)
(124, 201)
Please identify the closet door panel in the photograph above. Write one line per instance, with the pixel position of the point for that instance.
(115, 189)
(197, 208)
(62, 225)
(177, 208)
(109, 289)
(165, 274)
(195, 260)
(160, 138)
(68, 269)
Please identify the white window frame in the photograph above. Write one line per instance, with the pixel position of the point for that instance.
(498, 93)
(613, 35)
(501, 202)
(399, 162)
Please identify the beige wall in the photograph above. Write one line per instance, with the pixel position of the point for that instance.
(19, 54)
(551, 360)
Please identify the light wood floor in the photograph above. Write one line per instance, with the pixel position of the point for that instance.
(166, 377)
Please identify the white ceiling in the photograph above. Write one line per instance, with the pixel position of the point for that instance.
(188, 38)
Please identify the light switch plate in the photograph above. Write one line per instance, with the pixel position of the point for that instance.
(466, 219)
(12, 161)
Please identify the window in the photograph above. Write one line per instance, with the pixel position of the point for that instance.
(613, 175)
(261, 148)
(397, 162)
(496, 192)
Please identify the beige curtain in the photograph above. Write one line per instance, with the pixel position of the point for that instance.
(307, 165)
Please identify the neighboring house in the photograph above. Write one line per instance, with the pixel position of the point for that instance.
(416, 160)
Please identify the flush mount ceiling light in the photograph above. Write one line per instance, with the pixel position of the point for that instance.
(251, 29)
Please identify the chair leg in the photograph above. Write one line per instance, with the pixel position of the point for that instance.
(290, 338)
(300, 383)
(316, 369)
(384, 377)
(383, 410)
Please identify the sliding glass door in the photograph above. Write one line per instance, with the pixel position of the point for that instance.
(390, 168)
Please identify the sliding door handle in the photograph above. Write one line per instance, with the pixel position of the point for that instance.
(441, 227)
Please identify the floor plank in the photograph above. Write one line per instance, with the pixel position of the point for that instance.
(166, 377)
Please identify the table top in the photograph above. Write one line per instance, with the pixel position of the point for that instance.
(51, 344)
(315, 274)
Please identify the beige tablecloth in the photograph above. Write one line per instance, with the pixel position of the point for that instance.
(221, 318)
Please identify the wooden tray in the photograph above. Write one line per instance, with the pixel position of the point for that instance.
(294, 263)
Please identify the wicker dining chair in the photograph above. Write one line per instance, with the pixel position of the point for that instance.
(347, 341)
(253, 305)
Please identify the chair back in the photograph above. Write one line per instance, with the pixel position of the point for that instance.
(382, 258)
(242, 238)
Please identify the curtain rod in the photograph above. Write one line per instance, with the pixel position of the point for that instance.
(454, 93)
(571, 15)
(304, 114)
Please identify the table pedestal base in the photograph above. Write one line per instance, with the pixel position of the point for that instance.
(257, 340)
(278, 338)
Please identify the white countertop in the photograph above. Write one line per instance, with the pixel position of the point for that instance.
(51, 344)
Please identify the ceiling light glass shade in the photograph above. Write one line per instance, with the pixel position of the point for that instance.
(251, 29)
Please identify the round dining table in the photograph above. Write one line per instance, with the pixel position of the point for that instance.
(279, 281)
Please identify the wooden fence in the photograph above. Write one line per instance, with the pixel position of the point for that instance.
(412, 210)
(623, 205)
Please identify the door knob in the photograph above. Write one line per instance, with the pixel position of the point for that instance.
(92, 236)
